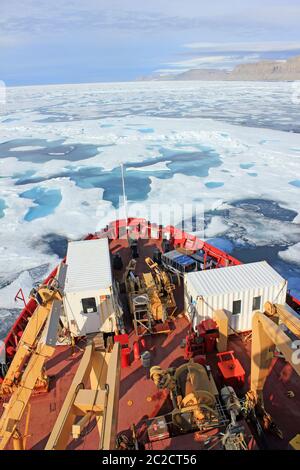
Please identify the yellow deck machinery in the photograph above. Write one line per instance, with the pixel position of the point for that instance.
(197, 405)
(150, 297)
(193, 395)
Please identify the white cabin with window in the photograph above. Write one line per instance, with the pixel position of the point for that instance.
(239, 290)
(89, 305)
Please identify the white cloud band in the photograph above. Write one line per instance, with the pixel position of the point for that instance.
(271, 46)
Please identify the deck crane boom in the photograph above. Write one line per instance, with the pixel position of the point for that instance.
(93, 394)
(267, 334)
(35, 347)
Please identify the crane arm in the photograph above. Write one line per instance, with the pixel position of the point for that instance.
(266, 334)
(100, 400)
(15, 408)
(44, 297)
(27, 343)
(287, 317)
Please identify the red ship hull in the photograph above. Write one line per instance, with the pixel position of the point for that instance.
(144, 228)
(140, 400)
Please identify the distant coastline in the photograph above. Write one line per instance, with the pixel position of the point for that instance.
(265, 70)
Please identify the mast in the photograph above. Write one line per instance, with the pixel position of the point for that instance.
(124, 194)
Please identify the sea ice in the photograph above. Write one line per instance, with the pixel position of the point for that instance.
(26, 148)
(291, 254)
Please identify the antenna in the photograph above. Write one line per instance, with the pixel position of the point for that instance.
(124, 194)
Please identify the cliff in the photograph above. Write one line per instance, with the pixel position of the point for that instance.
(263, 70)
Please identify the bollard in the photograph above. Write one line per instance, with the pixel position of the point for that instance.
(125, 357)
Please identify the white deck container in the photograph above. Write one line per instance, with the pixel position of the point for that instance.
(239, 290)
(88, 296)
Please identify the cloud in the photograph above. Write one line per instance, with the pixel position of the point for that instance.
(65, 17)
(133, 15)
(213, 61)
(226, 55)
(61, 16)
(41, 34)
(267, 46)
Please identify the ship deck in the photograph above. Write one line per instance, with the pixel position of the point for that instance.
(140, 400)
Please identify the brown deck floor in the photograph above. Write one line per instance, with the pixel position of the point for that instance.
(139, 397)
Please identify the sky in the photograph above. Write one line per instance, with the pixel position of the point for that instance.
(75, 41)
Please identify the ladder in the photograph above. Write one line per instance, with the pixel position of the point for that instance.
(142, 318)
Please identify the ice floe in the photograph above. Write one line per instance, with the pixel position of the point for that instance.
(25, 148)
(291, 254)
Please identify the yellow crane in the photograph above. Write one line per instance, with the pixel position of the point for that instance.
(93, 394)
(267, 333)
(26, 369)
(99, 368)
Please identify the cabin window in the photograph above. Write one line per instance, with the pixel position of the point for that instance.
(236, 307)
(256, 303)
(89, 305)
